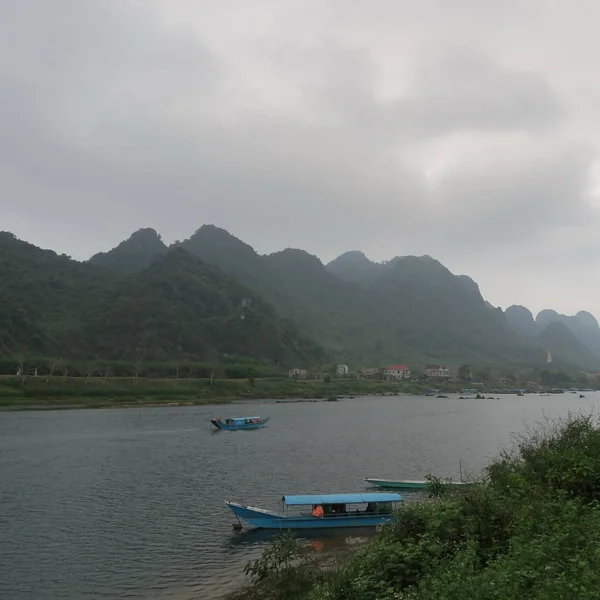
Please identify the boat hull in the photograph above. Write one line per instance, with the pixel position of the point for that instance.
(405, 484)
(225, 427)
(263, 519)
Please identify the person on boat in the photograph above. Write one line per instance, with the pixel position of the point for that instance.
(317, 511)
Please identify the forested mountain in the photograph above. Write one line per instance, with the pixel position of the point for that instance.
(407, 309)
(577, 338)
(181, 307)
(212, 293)
(44, 296)
(178, 308)
(133, 254)
(565, 346)
(522, 321)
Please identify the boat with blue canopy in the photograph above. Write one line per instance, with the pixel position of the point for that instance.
(321, 511)
(239, 423)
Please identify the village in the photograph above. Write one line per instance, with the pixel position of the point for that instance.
(390, 373)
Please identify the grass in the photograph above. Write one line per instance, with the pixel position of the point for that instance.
(530, 530)
(91, 392)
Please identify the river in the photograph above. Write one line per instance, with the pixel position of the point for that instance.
(129, 503)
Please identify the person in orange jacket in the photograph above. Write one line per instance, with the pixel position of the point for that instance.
(318, 511)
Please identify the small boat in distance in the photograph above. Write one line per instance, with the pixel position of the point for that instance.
(407, 484)
(323, 511)
(239, 423)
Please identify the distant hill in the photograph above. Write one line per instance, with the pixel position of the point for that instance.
(439, 315)
(212, 293)
(44, 296)
(566, 348)
(408, 308)
(583, 325)
(178, 308)
(522, 321)
(134, 254)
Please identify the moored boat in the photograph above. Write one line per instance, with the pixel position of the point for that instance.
(407, 484)
(322, 511)
(239, 423)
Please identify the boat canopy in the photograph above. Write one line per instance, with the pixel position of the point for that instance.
(243, 419)
(340, 499)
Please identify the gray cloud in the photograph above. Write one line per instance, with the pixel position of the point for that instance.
(394, 127)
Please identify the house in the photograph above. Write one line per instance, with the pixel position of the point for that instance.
(297, 373)
(436, 371)
(342, 370)
(397, 372)
(370, 373)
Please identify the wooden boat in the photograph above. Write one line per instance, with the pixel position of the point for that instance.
(406, 484)
(337, 510)
(411, 484)
(239, 423)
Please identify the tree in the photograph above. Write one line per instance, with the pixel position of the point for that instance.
(464, 372)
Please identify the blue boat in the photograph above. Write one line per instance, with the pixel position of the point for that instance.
(239, 423)
(322, 511)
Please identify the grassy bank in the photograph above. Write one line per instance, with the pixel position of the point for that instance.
(93, 392)
(531, 531)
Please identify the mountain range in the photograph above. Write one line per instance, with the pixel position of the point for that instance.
(212, 293)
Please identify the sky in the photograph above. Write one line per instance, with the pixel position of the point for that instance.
(465, 130)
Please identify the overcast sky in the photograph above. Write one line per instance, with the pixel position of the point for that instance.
(468, 130)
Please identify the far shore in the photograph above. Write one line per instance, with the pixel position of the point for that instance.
(62, 393)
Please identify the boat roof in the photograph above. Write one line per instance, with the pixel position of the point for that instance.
(243, 418)
(341, 498)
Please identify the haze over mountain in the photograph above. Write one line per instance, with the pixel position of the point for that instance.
(176, 308)
(582, 327)
(213, 293)
(408, 308)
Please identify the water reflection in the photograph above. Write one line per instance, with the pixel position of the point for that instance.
(130, 503)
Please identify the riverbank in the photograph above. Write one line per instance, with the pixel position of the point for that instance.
(530, 531)
(38, 393)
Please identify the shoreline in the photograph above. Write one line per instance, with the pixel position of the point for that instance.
(68, 393)
(99, 404)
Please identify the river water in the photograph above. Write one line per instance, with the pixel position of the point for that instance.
(129, 503)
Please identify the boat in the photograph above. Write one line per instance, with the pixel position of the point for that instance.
(336, 510)
(239, 423)
(406, 484)
(411, 484)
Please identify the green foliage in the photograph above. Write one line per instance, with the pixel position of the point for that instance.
(278, 558)
(281, 573)
(177, 309)
(531, 531)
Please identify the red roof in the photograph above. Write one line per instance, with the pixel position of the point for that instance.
(397, 368)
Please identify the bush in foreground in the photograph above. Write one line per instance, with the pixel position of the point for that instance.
(531, 529)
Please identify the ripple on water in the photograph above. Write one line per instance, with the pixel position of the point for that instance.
(129, 503)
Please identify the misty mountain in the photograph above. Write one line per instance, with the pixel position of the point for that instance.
(133, 254)
(409, 308)
(583, 325)
(434, 312)
(214, 293)
(566, 347)
(178, 308)
(522, 321)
